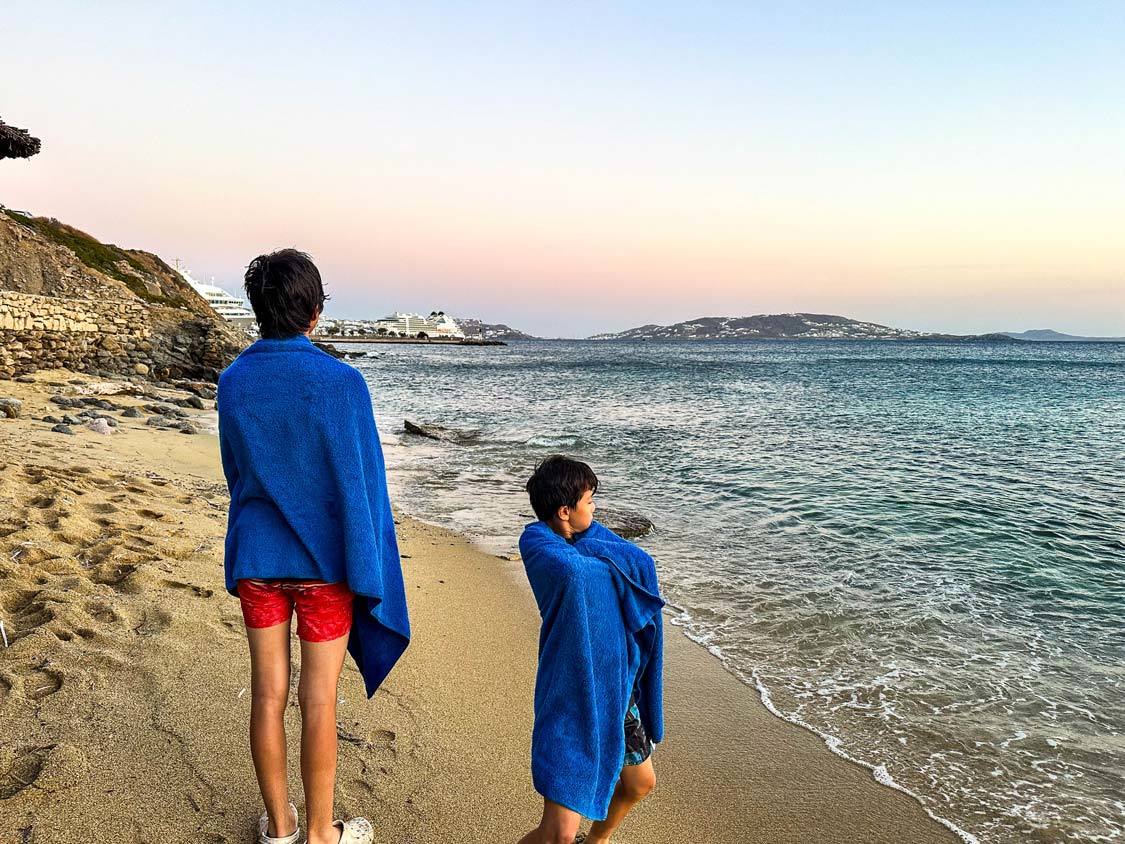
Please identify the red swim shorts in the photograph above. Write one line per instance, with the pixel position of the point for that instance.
(324, 610)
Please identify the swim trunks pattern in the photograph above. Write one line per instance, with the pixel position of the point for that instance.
(637, 745)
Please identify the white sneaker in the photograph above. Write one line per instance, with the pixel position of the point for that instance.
(355, 831)
(264, 825)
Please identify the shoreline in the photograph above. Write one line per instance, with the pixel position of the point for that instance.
(111, 593)
(834, 744)
(411, 341)
(678, 619)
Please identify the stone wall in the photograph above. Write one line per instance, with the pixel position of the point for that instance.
(27, 312)
(113, 335)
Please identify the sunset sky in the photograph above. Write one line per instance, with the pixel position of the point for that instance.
(584, 167)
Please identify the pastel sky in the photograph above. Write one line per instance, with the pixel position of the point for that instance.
(569, 168)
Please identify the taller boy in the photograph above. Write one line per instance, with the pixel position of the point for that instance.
(310, 530)
(598, 702)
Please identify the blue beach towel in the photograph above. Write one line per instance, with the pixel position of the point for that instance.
(308, 491)
(601, 640)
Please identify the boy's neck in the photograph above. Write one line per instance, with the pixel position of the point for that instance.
(561, 528)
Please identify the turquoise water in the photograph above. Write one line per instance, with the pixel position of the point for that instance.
(916, 549)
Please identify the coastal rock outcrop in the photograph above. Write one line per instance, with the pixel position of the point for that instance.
(440, 432)
(624, 523)
(332, 350)
(67, 300)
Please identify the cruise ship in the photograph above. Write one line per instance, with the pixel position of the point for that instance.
(229, 307)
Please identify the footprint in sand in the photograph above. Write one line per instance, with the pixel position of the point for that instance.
(102, 612)
(383, 738)
(100, 550)
(114, 575)
(104, 507)
(365, 789)
(35, 474)
(138, 543)
(150, 514)
(41, 682)
(381, 745)
(198, 591)
(26, 612)
(153, 621)
(24, 770)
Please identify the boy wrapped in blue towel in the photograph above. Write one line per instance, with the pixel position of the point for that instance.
(598, 703)
(310, 533)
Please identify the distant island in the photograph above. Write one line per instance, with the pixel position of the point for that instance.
(797, 326)
(1047, 335)
(786, 327)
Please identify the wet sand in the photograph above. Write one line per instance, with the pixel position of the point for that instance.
(123, 691)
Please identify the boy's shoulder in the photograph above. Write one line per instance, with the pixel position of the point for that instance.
(547, 554)
(247, 364)
(535, 529)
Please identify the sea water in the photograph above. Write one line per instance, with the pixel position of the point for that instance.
(915, 549)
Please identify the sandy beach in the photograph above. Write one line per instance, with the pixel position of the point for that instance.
(123, 684)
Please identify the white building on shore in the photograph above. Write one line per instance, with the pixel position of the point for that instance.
(437, 324)
(401, 323)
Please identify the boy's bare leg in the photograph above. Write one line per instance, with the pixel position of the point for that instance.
(269, 692)
(558, 826)
(635, 782)
(321, 663)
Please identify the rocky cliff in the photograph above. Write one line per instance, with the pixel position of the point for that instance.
(66, 299)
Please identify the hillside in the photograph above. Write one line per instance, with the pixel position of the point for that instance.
(1048, 335)
(491, 331)
(70, 300)
(782, 327)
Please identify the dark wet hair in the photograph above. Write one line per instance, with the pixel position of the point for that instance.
(285, 291)
(559, 481)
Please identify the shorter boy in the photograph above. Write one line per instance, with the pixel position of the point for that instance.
(598, 703)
